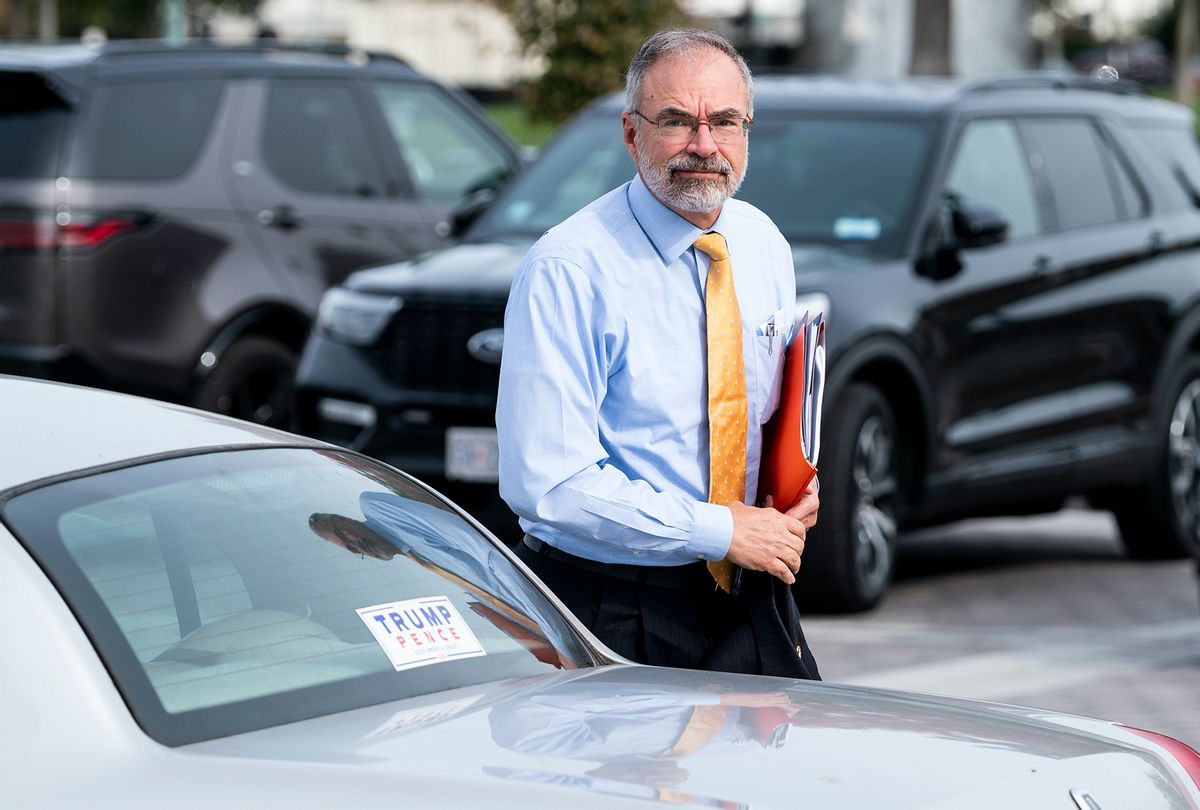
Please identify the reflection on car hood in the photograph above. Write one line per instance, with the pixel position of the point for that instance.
(610, 736)
(480, 267)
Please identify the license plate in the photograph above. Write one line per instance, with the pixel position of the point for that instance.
(472, 454)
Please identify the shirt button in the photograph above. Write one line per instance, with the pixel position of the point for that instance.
(637, 553)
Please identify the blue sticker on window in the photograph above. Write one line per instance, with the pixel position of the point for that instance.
(861, 228)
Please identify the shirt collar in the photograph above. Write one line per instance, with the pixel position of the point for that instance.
(670, 233)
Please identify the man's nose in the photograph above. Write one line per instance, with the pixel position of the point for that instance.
(702, 142)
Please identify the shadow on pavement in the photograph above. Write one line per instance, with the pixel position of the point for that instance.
(1072, 535)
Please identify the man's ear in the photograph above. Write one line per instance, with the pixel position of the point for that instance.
(628, 133)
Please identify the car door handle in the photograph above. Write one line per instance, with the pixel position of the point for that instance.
(281, 216)
(1040, 266)
(1154, 243)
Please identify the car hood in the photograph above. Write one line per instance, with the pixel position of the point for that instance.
(623, 734)
(488, 267)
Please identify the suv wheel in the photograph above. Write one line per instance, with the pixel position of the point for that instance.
(251, 381)
(850, 556)
(1162, 521)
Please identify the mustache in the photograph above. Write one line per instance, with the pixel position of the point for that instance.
(694, 163)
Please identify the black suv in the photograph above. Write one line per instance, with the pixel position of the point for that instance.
(1010, 270)
(170, 216)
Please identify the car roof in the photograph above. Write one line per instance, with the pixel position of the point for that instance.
(51, 429)
(908, 95)
(198, 55)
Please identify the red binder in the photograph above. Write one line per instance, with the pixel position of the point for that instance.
(785, 469)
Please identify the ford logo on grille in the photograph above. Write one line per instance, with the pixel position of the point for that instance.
(487, 345)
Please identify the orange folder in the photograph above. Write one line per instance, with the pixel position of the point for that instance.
(785, 471)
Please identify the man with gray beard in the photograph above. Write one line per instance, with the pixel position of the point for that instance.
(644, 345)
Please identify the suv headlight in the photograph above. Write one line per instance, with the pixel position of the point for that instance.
(356, 317)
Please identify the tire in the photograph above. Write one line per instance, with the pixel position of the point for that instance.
(851, 553)
(1162, 520)
(253, 381)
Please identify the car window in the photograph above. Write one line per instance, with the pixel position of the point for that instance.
(1130, 199)
(1176, 146)
(1077, 167)
(586, 161)
(32, 123)
(314, 139)
(446, 153)
(989, 168)
(241, 590)
(145, 130)
(850, 182)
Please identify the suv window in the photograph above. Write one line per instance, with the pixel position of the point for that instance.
(446, 155)
(989, 168)
(145, 130)
(1077, 166)
(579, 167)
(1130, 197)
(315, 140)
(1177, 147)
(32, 122)
(850, 182)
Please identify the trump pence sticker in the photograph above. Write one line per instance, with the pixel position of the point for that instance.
(418, 632)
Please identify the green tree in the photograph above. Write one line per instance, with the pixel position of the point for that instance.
(585, 44)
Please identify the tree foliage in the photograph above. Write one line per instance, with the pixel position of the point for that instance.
(585, 44)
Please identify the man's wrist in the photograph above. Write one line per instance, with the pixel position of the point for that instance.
(712, 531)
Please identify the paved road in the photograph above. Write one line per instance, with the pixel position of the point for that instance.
(1042, 612)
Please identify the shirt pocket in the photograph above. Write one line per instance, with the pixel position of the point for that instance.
(769, 347)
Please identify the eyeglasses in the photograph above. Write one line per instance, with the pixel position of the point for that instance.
(680, 129)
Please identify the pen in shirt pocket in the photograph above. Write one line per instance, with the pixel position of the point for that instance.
(770, 332)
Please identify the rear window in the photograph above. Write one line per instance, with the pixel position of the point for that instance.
(241, 590)
(145, 130)
(33, 122)
(1176, 146)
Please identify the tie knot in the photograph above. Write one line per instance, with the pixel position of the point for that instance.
(714, 245)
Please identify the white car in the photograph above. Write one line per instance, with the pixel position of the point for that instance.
(201, 612)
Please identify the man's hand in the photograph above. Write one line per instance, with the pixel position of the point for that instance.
(765, 539)
(806, 508)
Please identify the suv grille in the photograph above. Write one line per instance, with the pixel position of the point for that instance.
(425, 346)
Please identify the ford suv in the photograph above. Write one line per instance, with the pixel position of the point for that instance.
(1010, 272)
(171, 215)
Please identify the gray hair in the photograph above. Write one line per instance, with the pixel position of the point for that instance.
(670, 42)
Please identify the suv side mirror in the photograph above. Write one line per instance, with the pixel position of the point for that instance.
(961, 225)
(977, 226)
(466, 211)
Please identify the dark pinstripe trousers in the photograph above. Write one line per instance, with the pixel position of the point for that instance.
(757, 631)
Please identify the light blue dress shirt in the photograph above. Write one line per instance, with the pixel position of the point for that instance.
(603, 404)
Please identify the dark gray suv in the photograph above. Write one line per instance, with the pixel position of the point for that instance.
(1010, 269)
(169, 216)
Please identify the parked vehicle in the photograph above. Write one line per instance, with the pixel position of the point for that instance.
(1011, 276)
(230, 616)
(170, 215)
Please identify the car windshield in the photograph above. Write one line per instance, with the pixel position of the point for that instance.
(240, 590)
(848, 182)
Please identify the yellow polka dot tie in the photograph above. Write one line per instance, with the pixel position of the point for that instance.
(726, 388)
